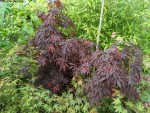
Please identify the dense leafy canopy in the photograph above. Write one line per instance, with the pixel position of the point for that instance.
(49, 63)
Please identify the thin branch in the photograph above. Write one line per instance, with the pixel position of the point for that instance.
(100, 25)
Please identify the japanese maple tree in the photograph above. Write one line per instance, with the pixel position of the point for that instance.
(60, 58)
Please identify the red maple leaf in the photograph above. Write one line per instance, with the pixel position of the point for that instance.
(62, 63)
(51, 48)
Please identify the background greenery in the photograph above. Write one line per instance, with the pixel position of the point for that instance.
(129, 18)
(18, 23)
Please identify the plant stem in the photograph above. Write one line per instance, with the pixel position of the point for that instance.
(100, 25)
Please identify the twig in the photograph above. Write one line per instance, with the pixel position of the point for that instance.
(100, 26)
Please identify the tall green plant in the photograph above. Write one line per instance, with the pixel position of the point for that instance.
(126, 17)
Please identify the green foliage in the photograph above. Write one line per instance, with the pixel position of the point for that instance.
(144, 89)
(119, 104)
(129, 18)
(106, 106)
(15, 96)
(122, 106)
(15, 89)
(146, 66)
(18, 22)
(13, 64)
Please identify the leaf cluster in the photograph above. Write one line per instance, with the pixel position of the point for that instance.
(16, 96)
(59, 58)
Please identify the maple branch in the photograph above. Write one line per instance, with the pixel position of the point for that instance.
(100, 25)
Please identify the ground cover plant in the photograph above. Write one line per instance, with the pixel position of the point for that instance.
(56, 67)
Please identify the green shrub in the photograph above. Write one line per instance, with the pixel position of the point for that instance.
(15, 96)
(129, 18)
(18, 22)
(122, 106)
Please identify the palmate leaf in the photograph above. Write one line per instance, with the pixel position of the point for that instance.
(62, 63)
(140, 107)
(77, 108)
(56, 88)
(79, 101)
(116, 101)
(55, 38)
(85, 68)
(51, 48)
(72, 102)
(42, 61)
(70, 47)
(119, 109)
(49, 109)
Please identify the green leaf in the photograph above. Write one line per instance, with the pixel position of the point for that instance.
(139, 106)
(116, 101)
(79, 101)
(77, 108)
